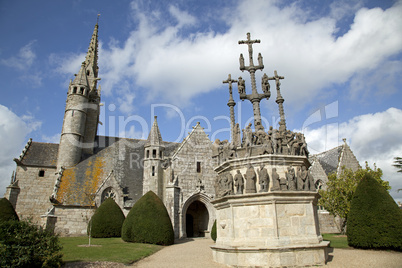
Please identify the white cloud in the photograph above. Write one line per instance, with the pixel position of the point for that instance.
(13, 132)
(160, 58)
(169, 60)
(24, 59)
(375, 138)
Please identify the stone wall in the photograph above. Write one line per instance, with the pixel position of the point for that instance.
(328, 223)
(72, 221)
(33, 199)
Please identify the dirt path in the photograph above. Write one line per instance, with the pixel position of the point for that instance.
(197, 253)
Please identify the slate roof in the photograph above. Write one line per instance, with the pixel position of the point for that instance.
(122, 155)
(41, 154)
(329, 160)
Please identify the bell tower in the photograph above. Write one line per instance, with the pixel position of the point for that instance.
(81, 116)
(153, 173)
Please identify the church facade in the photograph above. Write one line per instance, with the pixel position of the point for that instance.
(58, 186)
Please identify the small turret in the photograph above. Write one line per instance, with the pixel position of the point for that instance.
(154, 150)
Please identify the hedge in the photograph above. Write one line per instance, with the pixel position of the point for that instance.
(107, 220)
(148, 222)
(374, 220)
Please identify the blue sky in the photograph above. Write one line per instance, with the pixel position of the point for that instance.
(342, 62)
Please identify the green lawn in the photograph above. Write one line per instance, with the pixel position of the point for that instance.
(105, 249)
(337, 240)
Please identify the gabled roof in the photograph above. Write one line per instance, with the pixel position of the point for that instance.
(333, 160)
(197, 129)
(329, 160)
(41, 154)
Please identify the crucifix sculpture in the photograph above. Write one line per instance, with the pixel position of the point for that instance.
(279, 100)
(231, 104)
(254, 97)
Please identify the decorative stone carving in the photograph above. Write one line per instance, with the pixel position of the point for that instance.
(251, 178)
(241, 86)
(224, 185)
(304, 177)
(275, 180)
(239, 182)
(300, 183)
(263, 179)
(265, 84)
(56, 187)
(291, 178)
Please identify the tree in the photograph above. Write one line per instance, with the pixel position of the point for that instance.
(398, 163)
(7, 211)
(374, 220)
(338, 196)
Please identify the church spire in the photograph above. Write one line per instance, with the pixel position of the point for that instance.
(88, 74)
(154, 137)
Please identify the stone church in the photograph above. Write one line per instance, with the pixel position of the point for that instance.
(58, 186)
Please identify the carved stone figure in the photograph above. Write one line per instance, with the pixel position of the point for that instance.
(251, 178)
(291, 178)
(241, 86)
(239, 182)
(300, 183)
(229, 179)
(265, 84)
(303, 147)
(283, 182)
(263, 179)
(248, 139)
(225, 185)
(304, 177)
(275, 180)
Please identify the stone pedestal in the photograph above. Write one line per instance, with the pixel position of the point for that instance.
(273, 229)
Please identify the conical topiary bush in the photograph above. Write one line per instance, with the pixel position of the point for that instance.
(148, 222)
(374, 220)
(107, 220)
(213, 232)
(7, 211)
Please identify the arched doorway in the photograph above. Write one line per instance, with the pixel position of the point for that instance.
(197, 219)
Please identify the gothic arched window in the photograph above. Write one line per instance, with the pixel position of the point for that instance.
(108, 192)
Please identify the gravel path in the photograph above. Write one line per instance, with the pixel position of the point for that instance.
(196, 253)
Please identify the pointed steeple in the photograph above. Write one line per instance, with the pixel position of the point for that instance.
(155, 137)
(88, 74)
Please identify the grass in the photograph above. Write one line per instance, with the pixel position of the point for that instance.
(105, 249)
(337, 240)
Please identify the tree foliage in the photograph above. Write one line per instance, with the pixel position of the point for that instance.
(107, 220)
(338, 196)
(374, 220)
(23, 244)
(7, 211)
(398, 163)
(148, 222)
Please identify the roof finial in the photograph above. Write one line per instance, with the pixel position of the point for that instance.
(97, 20)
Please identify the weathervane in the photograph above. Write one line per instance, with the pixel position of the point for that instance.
(254, 97)
(231, 104)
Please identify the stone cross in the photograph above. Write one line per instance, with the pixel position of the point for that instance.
(279, 100)
(254, 97)
(231, 104)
